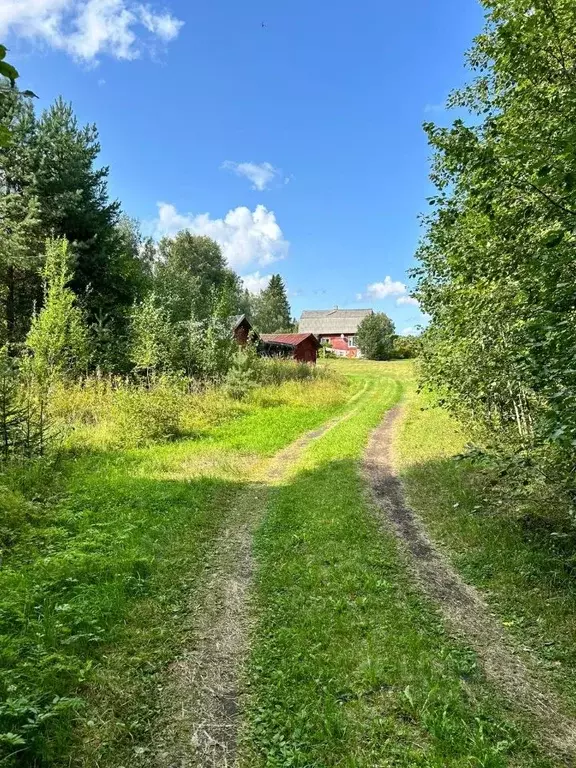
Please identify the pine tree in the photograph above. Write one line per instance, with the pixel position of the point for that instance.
(73, 196)
(272, 309)
(20, 226)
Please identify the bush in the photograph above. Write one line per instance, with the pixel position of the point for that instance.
(406, 347)
(142, 415)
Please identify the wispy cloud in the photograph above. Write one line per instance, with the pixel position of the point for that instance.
(407, 300)
(434, 109)
(411, 331)
(87, 29)
(260, 175)
(246, 237)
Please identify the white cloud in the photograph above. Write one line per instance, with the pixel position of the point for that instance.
(407, 300)
(378, 291)
(246, 237)
(256, 282)
(413, 331)
(87, 28)
(261, 175)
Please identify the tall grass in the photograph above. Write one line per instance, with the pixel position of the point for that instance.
(102, 541)
(105, 413)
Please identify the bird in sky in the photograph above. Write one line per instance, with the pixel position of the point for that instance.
(263, 25)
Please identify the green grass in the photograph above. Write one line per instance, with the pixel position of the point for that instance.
(95, 588)
(350, 665)
(523, 560)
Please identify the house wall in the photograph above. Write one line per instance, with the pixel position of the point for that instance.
(339, 349)
(306, 351)
(242, 332)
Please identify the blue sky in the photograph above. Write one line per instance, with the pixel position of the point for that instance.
(298, 144)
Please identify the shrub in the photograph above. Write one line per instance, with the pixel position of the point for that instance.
(244, 372)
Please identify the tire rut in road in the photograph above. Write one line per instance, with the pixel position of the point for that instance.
(461, 604)
(201, 700)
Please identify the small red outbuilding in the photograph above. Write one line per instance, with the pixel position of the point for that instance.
(299, 346)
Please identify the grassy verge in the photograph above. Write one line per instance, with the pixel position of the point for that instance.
(521, 558)
(95, 588)
(350, 666)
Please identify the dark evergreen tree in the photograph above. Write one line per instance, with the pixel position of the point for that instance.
(73, 197)
(272, 309)
(20, 227)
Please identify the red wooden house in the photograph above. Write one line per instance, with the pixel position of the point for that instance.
(336, 327)
(298, 346)
(242, 329)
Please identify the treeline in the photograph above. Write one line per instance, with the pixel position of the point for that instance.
(51, 188)
(498, 262)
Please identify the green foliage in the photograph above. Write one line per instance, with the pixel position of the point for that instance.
(50, 186)
(244, 373)
(8, 76)
(58, 338)
(140, 416)
(20, 225)
(271, 309)
(405, 347)
(497, 261)
(152, 338)
(375, 336)
(10, 410)
(191, 277)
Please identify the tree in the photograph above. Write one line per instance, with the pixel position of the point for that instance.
(21, 243)
(497, 261)
(8, 77)
(405, 347)
(58, 338)
(74, 203)
(190, 276)
(151, 348)
(375, 336)
(271, 308)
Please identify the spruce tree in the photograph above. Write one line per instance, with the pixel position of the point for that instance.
(58, 339)
(272, 309)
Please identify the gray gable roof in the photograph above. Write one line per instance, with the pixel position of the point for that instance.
(319, 321)
(235, 320)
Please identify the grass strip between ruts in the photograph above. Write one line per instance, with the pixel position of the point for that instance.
(350, 666)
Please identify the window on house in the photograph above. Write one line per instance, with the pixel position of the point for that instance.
(351, 341)
(325, 339)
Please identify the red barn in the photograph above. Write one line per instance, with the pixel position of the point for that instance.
(241, 329)
(299, 346)
(336, 327)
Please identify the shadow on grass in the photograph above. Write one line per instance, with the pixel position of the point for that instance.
(92, 599)
(351, 664)
(522, 555)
